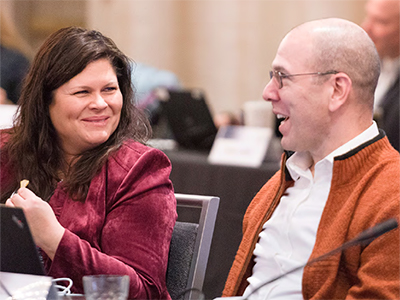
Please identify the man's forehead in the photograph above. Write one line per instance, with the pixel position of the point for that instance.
(293, 52)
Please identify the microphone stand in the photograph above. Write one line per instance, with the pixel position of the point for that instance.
(364, 238)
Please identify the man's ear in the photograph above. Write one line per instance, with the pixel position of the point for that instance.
(341, 87)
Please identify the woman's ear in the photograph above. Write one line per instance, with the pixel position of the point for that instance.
(341, 84)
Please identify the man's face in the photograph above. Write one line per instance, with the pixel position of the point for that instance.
(302, 101)
(382, 25)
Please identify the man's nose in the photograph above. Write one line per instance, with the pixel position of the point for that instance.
(270, 92)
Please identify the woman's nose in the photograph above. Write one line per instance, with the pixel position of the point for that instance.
(98, 101)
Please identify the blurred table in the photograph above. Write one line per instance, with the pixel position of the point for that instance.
(236, 187)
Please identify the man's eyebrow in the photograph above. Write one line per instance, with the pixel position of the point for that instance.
(280, 69)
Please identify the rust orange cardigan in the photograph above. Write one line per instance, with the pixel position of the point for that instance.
(365, 191)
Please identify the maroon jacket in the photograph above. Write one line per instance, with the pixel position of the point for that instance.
(123, 227)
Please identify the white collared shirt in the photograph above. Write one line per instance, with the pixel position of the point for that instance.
(288, 237)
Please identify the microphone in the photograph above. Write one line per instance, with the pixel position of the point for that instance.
(364, 238)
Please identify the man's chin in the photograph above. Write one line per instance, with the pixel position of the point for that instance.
(286, 144)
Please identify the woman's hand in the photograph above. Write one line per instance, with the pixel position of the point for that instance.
(3, 97)
(47, 232)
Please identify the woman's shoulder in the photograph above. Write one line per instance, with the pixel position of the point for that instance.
(134, 148)
(132, 153)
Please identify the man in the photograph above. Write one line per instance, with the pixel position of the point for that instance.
(382, 23)
(341, 179)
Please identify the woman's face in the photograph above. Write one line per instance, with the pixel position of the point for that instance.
(86, 110)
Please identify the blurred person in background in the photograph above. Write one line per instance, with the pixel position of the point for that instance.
(15, 55)
(147, 80)
(382, 23)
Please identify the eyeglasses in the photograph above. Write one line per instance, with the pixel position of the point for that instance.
(278, 75)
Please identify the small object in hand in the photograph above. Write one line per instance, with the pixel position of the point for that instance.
(24, 183)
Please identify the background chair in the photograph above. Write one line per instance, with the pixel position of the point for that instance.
(190, 245)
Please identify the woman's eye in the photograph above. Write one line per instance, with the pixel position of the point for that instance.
(81, 92)
(110, 89)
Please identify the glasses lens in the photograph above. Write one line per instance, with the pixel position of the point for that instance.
(274, 74)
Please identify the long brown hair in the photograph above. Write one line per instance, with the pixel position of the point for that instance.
(33, 149)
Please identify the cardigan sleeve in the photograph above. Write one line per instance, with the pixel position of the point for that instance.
(127, 234)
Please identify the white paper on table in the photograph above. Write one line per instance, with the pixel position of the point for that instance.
(240, 146)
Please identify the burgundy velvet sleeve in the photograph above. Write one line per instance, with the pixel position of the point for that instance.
(124, 226)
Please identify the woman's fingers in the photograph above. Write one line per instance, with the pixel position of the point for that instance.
(9, 202)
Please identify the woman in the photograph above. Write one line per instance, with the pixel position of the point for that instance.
(98, 201)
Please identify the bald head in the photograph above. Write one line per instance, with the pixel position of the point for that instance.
(341, 45)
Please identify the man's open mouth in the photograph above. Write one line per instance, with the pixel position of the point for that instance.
(282, 118)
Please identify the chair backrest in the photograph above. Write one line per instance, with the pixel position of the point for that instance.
(190, 247)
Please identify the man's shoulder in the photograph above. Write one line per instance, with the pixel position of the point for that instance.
(266, 194)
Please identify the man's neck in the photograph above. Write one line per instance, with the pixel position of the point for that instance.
(343, 145)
